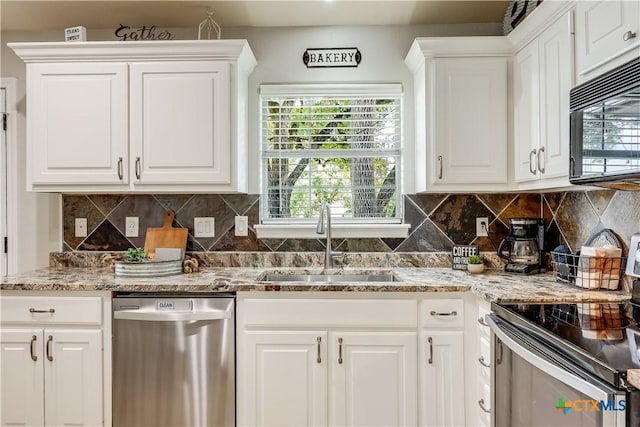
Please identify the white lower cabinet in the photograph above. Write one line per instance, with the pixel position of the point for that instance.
(308, 371)
(443, 379)
(442, 372)
(52, 362)
(287, 378)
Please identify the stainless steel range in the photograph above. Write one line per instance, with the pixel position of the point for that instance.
(565, 364)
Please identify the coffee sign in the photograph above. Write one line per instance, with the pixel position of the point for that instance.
(461, 253)
(334, 57)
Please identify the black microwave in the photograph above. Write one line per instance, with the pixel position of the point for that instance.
(605, 129)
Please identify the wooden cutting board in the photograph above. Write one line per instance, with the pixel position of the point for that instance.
(165, 236)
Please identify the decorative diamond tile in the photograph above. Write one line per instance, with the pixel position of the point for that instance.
(426, 202)
(554, 200)
(497, 202)
(105, 202)
(207, 205)
(497, 232)
(240, 203)
(523, 206)
(78, 207)
(363, 245)
(230, 242)
(149, 212)
(456, 217)
(175, 202)
(301, 245)
(600, 199)
(427, 238)
(623, 215)
(576, 218)
(105, 238)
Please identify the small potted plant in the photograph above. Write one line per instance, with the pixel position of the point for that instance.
(475, 265)
(135, 255)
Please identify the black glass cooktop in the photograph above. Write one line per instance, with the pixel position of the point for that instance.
(602, 338)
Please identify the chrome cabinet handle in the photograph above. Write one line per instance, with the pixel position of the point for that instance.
(440, 163)
(340, 351)
(319, 358)
(532, 170)
(49, 354)
(540, 151)
(430, 341)
(120, 168)
(481, 403)
(452, 313)
(482, 322)
(483, 363)
(137, 167)
(33, 310)
(628, 36)
(33, 348)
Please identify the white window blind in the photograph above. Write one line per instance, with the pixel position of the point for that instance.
(340, 144)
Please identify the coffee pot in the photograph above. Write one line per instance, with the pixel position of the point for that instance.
(522, 249)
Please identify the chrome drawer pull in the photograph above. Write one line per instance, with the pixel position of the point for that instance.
(483, 363)
(531, 169)
(49, 354)
(541, 151)
(628, 36)
(33, 350)
(319, 359)
(435, 313)
(481, 403)
(440, 162)
(137, 167)
(120, 168)
(430, 340)
(33, 310)
(482, 322)
(340, 351)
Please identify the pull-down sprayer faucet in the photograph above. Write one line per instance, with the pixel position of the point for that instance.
(329, 254)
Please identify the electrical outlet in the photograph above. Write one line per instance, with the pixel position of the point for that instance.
(242, 226)
(482, 226)
(81, 227)
(204, 227)
(131, 226)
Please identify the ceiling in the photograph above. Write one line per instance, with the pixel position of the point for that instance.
(27, 15)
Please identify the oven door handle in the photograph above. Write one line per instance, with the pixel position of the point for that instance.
(171, 317)
(540, 357)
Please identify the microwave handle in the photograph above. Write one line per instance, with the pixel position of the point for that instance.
(540, 356)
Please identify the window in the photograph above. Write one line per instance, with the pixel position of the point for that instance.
(334, 143)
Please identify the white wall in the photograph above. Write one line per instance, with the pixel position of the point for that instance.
(279, 54)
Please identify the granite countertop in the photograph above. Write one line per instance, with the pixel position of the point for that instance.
(494, 286)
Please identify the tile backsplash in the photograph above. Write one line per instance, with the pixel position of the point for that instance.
(438, 221)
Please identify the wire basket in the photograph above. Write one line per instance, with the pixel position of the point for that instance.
(589, 272)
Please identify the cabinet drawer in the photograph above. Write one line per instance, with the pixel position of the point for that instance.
(330, 313)
(55, 310)
(443, 313)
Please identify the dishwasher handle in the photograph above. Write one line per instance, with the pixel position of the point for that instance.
(154, 316)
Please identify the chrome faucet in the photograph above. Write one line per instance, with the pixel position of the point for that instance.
(329, 254)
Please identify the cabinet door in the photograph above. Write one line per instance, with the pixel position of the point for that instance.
(77, 123)
(526, 105)
(555, 83)
(287, 378)
(180, 123)
(373, 379)
(73, 377)
(21, 382)
(602, 35)
(470, 135)
(442, 382)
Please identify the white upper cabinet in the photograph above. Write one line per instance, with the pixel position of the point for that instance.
(542, 79)
(137, 116)
(461, 99)
(607, 35)
(78, 123)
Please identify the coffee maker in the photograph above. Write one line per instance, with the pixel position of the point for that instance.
(523, 248)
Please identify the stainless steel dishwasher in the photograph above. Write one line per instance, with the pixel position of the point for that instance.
(173, 360)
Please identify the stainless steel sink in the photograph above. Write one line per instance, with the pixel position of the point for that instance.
(328, 278)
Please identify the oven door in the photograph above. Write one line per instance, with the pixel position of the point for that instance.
(534, 385)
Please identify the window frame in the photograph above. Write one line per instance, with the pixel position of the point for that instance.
(359, 227)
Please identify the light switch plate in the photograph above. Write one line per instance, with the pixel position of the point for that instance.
(242, 226)
(81, 227)
(204, 226)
